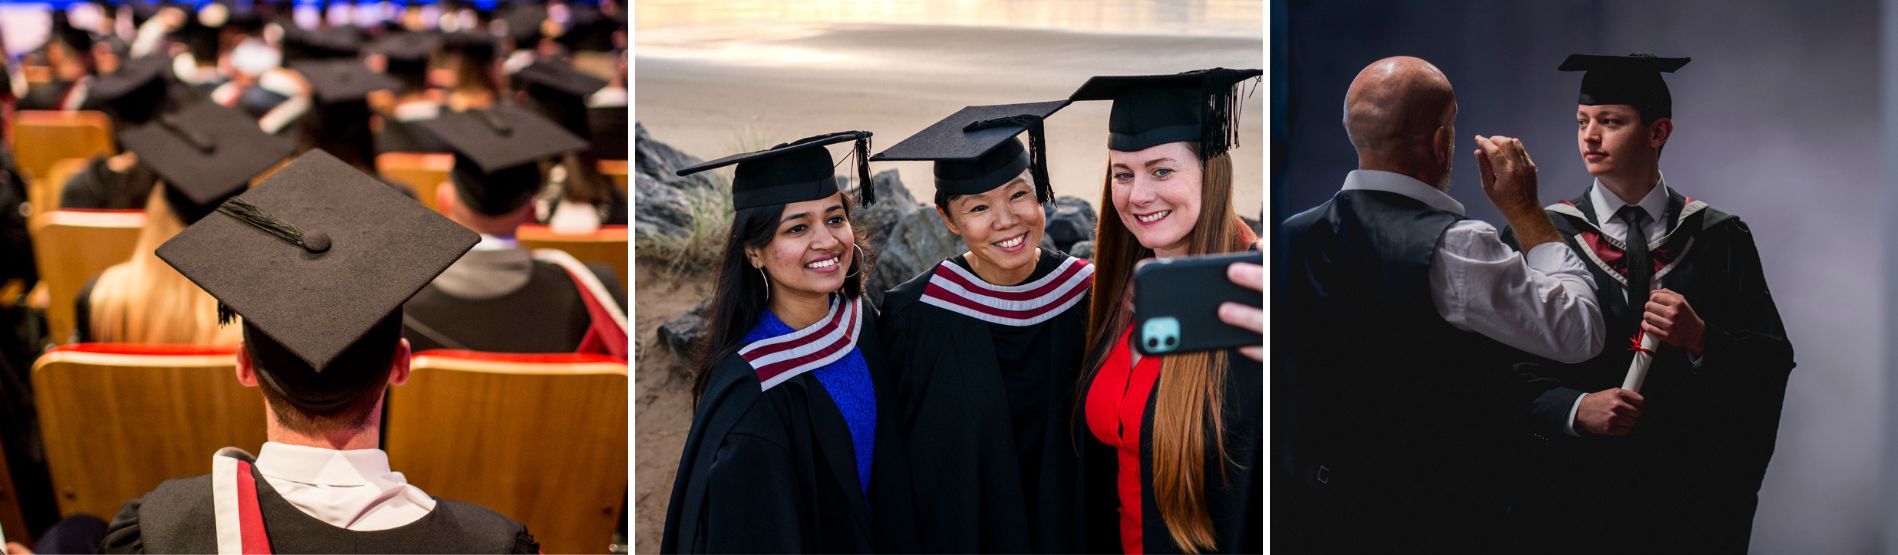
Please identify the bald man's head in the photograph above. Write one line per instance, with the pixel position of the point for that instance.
(1393, 112)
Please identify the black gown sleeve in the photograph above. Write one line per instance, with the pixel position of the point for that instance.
(1750, 340)
(82, 313)
(83, 190)
(1747, 356)
(123, 535)
(754, 504)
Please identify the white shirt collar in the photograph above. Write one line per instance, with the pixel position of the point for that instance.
(1607, 203)
(495, 243)
(1390, 182)
(329, 467)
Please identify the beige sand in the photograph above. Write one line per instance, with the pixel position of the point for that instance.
(712, 91)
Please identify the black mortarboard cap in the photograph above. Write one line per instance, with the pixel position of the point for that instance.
(320, 43)
(1634, 79)
(204, 152)
(975, 149)
(315, 258)
(477, 46)
(135, 93)
(338, 81)
(407, 52)
(796, 171)
(1200, 106)
(560, 92)
(524, 23)
(496, 153)
(79, 40)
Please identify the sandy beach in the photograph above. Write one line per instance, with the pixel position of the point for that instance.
(715, 89)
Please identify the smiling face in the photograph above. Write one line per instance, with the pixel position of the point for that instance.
(1002, 226)
(811, 250)
(1157, 194)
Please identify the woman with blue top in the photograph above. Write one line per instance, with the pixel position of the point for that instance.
(789, 445)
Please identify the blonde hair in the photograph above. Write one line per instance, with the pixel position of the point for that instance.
(144, 300)
(1191, 391)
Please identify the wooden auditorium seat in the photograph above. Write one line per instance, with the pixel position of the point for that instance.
(606, 245)
(541, 438)
(43, 137)
(73, 246)
(615, 169)
(423, 172)
(119, 419)
(45, 193)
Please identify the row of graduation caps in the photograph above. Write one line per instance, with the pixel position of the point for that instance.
(584, 392)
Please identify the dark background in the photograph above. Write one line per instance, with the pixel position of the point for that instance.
(1776, 119)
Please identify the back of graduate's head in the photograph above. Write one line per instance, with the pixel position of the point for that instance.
(1400, 113)
(341, 397)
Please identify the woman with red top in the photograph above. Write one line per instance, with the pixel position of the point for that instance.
(1176, 442)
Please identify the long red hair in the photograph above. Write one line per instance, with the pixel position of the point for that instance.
(1192, 386)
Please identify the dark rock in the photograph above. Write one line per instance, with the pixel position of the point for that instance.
(893, 202)
(916, 242)
(681, 335)
(1083, 250)
(663, 210)
(657, 159)
(1070, 220)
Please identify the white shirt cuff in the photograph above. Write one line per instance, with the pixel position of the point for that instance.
(1572, 411)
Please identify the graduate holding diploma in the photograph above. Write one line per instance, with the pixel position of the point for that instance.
(1681, 285)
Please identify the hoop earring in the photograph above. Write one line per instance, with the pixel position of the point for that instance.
(767, 285)
(860, 261)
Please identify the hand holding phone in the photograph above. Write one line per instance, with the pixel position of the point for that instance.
(1177, 304)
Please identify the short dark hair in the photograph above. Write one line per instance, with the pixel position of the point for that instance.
(375, 349)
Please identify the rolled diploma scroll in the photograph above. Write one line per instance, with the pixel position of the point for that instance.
(1643, 347)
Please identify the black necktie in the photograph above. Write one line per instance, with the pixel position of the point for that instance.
(1639, 269)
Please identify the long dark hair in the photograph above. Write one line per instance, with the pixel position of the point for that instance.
(739, 292)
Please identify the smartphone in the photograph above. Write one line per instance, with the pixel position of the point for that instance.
(1176, 304)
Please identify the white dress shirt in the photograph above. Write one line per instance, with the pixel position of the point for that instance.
(1543, 304)
(1607, 203)
(350, 489)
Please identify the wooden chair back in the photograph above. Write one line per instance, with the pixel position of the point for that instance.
(606, 245)
(73, 246)
(423, 172)
(541, 438)
(119, 419)
(43, 137)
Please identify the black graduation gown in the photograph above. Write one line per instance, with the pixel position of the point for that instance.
(1688, 477)
(549, 302)
(1236, 503)
(772, 471)
(97, 187)
(987, 408)
(177, 517)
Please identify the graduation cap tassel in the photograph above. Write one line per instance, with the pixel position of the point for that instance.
(1038, 162)
(239, 209)
(866, 191)
(225, 315)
